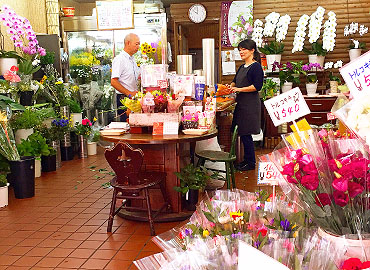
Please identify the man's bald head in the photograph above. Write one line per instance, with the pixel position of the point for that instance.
(132, 43)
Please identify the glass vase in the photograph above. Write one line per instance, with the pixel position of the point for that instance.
(82, 141)
(56, 147)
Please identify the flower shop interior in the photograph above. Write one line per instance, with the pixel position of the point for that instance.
(174, 176)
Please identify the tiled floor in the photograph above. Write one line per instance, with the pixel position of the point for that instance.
(64, 225)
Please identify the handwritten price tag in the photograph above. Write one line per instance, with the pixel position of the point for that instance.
(357, 75)
(287, 107)
(268, 174)
(162, 84)
(330, 116)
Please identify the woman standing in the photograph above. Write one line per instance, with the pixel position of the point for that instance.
(247, 115)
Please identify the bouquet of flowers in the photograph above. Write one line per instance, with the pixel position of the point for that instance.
(350, 30)
(8, 148)
(81, 64)
(53, 87)
(83, 128)
(174, 103)
(160, 100)
(133, 103)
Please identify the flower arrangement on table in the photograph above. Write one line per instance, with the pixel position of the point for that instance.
(133, 103)
(160, 100)
(83, 128)
(241, 29)
(350, 30)
(24, 39)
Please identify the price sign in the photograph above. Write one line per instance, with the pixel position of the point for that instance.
(287, 107)
(162, 84)
(268, 174)
(357, 75)
(115, 14)
(330, 116)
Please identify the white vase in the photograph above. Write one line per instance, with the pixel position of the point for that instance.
(4, 195)
(271, 59)
(286, 87)
(92, 148)
(6, 64)
(333, 86)
(76, 117)
(314, 58)
(311, 89)
(22, 134)
(354, 53)
(37, 167)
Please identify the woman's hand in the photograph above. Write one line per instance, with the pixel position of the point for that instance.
(235, 89)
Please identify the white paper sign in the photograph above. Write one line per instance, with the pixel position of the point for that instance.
(170, 128)
(357, 75)
(115, 14)
(287, 107)
(268, 174)
(251, 258)
(228, 68)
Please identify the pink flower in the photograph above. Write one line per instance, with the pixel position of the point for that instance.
(340, 184)
(332, 165)
(10, 76)
(294, 154)
(323, 133)
(288, 169)
(354, 189)
(340, 198)
(310, 181)
(305, 159)
(323, 199)
(310, 168)
(291, 180)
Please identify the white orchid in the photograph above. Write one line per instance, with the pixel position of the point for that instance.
(257, 32)
(271, 23)
(315, 24)
(282, 27)
(329, 32)
(300, 34)
(363, 30)
(338, 64)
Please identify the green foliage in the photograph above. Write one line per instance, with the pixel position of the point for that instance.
(3, 181)
(9, 54)
(334, 78)
(192, 178)
(316, 48)
(35, 145)
(361, 45)
(4, 165)
(53, 133)
(26, 67)
(74, 106)
(269, 89)
(29, 118)
(48, 58)
(95, 135)
(273, 47)
(45, 113)
(311, 78)
(7, 101)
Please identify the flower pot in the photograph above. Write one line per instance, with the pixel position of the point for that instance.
(311, 89)
(353, 247)
(92, 148)
(6, 64)
(314, 58)
(22, 134)
(66, 153)
(76, 117)
(37, 167)
(354, 53)
(192, 199)
(47, 122)
(23, 177)
(333, 86)
(286, 87)
(25, 98)
(4, 195)
(82, 151)
(49, 163)
(58, 156)
(271, 59)
(64, 112)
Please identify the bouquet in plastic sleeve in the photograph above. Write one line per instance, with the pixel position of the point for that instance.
(133, 103)
(147, 103)
(174, 103)
(160, 101)
(90, 94)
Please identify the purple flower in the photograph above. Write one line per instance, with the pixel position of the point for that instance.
(257, 244)
(285, 225)
(289, 66)
(188, 232)
(242, 20)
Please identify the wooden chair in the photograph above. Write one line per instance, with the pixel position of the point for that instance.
(221, 156)
(131, 183)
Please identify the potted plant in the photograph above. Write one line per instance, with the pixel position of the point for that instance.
(192, 179)
(76, 111)
(3, 190)
(274, 48)
(93, 141)
(8, 59)
(311, 84)
(288, 74)
(24, 122)
(83, 130)
(61, 127)
(355, 46)
(334, 81)
(269, 89)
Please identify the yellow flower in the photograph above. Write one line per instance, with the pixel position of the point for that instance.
(58, 82)
(234, 215)
(295, 225)
(153, 50)
(43, 79)
(295, 234)
(205, 233)
(95, 119)
(3, 117)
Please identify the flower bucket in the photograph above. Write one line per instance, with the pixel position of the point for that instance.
(47, 122)
(333, 86)
(102, 117)
(192, 199)
(69, 11)
(76, 117)
(25, 98)
(6, 64)
(92, 148)
(23, 177)
(48, 163)
(64, 112)
(67, 153)
(271, 59)
(354, 247)
(311, 89)
(37, 167)
(82, 141)
(286, 87)
(58, 158)
(354, 53)
(22, 134)
(314, 58)
(4, 195)
(66, 141)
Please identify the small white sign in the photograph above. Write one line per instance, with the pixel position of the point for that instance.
(268, 174)
(148, 101)
(170, 128)
(357, 75)
(228, 68)
(287, 107)
(115, 14)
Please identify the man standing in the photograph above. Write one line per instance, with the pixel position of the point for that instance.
(125, 71)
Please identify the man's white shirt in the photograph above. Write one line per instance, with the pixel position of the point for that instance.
(124, 68)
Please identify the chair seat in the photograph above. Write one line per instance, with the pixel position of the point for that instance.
(147, 179)
(215, 156)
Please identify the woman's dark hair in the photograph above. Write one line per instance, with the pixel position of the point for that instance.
(250, 45)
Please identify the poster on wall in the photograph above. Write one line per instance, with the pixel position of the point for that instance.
(112, 15)
(236, 22)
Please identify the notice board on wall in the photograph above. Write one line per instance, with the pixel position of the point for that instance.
(115, 14)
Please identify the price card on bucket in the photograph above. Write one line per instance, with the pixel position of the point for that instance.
(287, 107)
(268, 174)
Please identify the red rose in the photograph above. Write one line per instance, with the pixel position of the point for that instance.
(346, 171)
(262, 231)
(288, 169)
(310, 181)
(359, 168)
(323, 199)
(352, 264)
(14, 68)
(310, 168)
(366, 265)
(354, 189)
(340, 198)
(340, 184)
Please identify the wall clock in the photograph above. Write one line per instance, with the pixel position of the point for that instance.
(197, 13)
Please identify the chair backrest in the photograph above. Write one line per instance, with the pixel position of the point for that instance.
(126, 162)
(233, 141)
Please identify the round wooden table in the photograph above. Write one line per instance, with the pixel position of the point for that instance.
(161, 153)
